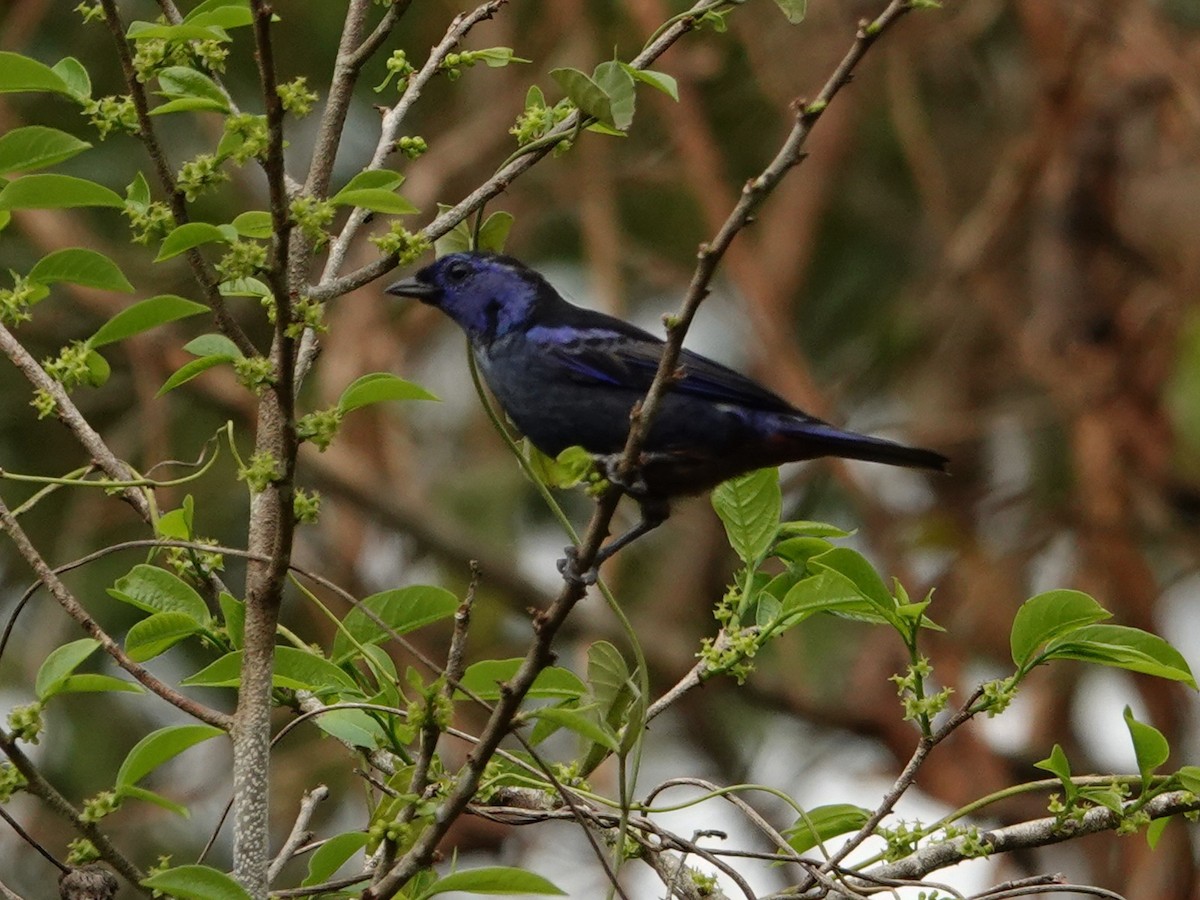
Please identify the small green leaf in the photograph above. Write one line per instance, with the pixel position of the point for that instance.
(1155, 829)
(35, 147)
(254, 224)
(1057, 764)
(92, 683)
(658, 80)
(213, 345)
(98, 369)
(494, 232)
(493, 880)
(20, 73)
(75, 77)
(78, 265)
(583, 720)
(244, 287)
(498, 57)
(143, 316)
(584, 93)
(193, 234)
(484, 678)
(855, 567)
(59, 665)
(352, 726)
(188, 371)
(1124, 648)
(158, 633)
(375, 179)
(56, 192)
(612, 78)
(375, 200)
(196, 883)
(332, 855)
(795, 10)
(1150, 747)
(221, 14)
(148, 31)
(826, 592)
(148, 796)
(824, 822)
(750, 506)
(182, 82)
(159, 746)
(233, 611)
(294, 668)
(378, 387)
(402, 610)
(138, 192)
(1189, 778)
(156, 590)
(1048, 616)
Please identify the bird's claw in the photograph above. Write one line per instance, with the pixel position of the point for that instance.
(610, 465)
(568, 567)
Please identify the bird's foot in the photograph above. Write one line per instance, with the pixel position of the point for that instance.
(610, 466)
(568, 567)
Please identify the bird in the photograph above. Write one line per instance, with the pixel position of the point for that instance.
(570, 376)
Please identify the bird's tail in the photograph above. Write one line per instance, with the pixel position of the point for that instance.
(815, 439)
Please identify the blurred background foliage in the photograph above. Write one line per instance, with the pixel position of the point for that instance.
(991, 250)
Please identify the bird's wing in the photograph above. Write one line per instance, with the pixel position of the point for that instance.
(622, 355)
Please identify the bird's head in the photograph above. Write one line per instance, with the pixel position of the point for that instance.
(486, 294)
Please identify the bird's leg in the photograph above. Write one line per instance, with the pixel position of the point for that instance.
(653, 513)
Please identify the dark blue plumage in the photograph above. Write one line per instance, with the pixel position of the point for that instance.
(570, 376)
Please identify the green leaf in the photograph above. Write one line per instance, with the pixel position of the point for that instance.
(35, 147)
(156, 590)
(233, 611)
(221, 14)
(403, 610)
(826, 592)
(137, 194)
(59, 665)
(795, 10)
(353, 726)
(98, 369)
(182, 82)
(855, 568)
(498, 57)
(294, 668)
(56, 192)
(159, 746)
(378, 387)
(484, 678)
(750, 507)
(158, 633)
(803, 528)
(254, 224)
(92, 683)
(188, 371)
(244, 287)
(824, 822)
(78, 265)
(494, 232)
(374, 189)
(20, 73)
(332, 855)
(1189, 778)
(1048, 616)
(1155, 829)
(193, 234)
(143, 316)
(196, 883)
(1124, 648)
(1150, 747)
(188, 104)
(75, 77)
(375, 200)
(658, 80)
(146, 31)
(585, 93)
(213, 345)
(148, 796)
(583, 720)
(618, 84)
(493, 880)
(1057, 764)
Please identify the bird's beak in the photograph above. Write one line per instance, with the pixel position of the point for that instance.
(414, 287)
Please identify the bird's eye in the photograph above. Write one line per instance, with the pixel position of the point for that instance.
(457, 271)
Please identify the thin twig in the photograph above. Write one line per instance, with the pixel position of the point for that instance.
(300, 834)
